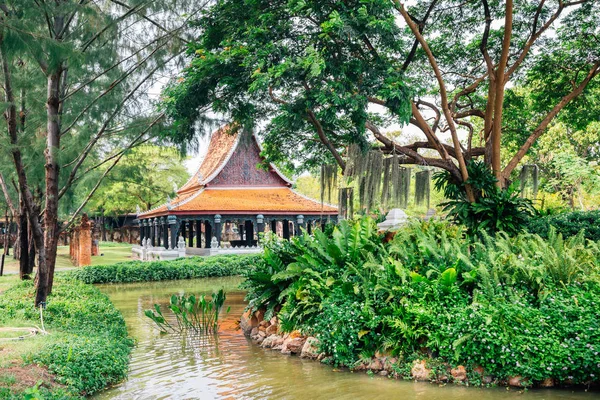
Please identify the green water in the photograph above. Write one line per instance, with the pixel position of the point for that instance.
(229, 366)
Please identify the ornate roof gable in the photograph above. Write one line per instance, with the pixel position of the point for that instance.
(233, 159)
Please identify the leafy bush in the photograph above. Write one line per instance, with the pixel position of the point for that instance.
(181, 268)
(262, 291)
(569, 224)
(516, 305)
(493, 210)
(88, 348)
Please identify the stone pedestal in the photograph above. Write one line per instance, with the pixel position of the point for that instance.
(81, 248)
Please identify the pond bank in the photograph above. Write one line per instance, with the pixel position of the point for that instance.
(267, 334)
(229, 365)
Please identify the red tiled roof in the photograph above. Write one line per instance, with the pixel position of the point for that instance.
(247, 201)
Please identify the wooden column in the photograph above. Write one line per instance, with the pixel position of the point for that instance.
(207, 234)
(165, 232)
(158, 224)
(183, 229)
(152, 232)
(286, 229)
(141, 225)
(249, 228)
(241, 230)
(172, 221)
(191, 234)
(274, 226)
(198, 234)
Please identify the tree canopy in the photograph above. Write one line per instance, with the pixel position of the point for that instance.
(324, 74)
(143, 178)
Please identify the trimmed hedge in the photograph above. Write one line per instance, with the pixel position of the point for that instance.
(181, 268)
(88, 348)
(569, 224)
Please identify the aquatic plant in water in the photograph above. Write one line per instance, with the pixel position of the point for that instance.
(197, 314)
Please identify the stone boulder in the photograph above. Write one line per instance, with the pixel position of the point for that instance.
(271, 341)
(419, 371)
(259, 314)
(271, 329)
(293, 345)
(248, 322)
(376, 365)
(516, 381)
(459, 373)
(547, 383)
(310, 348)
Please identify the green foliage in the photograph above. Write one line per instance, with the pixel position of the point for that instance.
(197, 314)
(88, 348)
(280, 59)
(494, 210)
(568, 224)
(515, 305)
(145, 177)
(181, 268)
(262, 291)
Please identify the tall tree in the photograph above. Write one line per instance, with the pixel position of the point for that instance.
(325, 73)
(93, 64)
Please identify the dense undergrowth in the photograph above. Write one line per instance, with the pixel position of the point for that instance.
(516, 306)
(87, 348)
(569, 224)
(181, 268)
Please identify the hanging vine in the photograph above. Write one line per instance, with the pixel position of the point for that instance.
(328, 181)
(422, 188)
(529, 178)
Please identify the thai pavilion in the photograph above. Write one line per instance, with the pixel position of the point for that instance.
(227, 203)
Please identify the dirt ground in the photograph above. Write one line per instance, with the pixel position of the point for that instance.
(19, 377)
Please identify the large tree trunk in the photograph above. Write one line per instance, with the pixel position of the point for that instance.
(51, 231)
(6, 242)
(10, 115)
(25, 264)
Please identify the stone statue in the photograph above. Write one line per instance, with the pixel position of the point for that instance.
(214, 243)
(181, 243)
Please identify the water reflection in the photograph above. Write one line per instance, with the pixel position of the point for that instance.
(228, 366)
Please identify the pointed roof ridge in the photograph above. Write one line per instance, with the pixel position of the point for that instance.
(220, 149)
(218, 155)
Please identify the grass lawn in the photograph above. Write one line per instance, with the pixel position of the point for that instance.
(14, 374)
(110, 253)
(86, 350)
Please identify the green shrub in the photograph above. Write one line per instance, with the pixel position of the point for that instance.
(569, 224)
(493, 210)
(88, 348)
(181, 268)
(518, 305)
